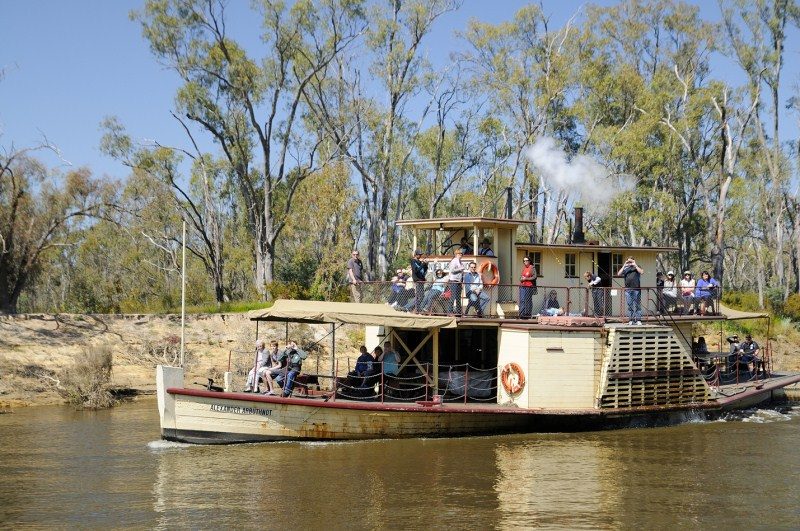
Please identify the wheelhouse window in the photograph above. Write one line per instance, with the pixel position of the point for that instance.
(570, 265)
(536, 262)
(616, 262)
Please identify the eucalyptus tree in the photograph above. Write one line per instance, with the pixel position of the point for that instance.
(756, 34)
(373, 113)
(253, 108)
(40, 209)
(523, 69)
(199, 196)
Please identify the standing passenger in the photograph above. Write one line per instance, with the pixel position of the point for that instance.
(597, 292)
(456, 270)
(527, 278)
(355, 276)
(633, 295)
(419, 268)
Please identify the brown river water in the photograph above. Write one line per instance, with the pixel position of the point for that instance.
(108, 469)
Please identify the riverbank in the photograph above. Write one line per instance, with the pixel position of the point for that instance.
(35, 349)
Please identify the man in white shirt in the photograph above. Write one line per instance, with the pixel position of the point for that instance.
(456, 271)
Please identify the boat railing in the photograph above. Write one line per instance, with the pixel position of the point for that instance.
(518, 301)
(456, 383)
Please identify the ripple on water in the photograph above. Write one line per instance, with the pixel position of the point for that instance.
(764, 416)
(162, 446)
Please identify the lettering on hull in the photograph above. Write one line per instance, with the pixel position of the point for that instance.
(239, 410)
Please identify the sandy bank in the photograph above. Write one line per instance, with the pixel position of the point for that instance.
(35, 349)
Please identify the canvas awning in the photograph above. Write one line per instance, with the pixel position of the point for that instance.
(317, 312)
(737, 315)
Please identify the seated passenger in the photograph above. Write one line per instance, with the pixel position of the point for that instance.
(550, 305)
(436, 291)
(706, 291)
(398, 296)
(275, 369)
(486, 249)
(473, 284)
(294, 364)
(262, 359)
(363, 363)
(466, 247)
(687, 292)
(750, 354)
(670, 292)
(390, 360)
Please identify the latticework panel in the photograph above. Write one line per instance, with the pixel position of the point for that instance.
(648, 366)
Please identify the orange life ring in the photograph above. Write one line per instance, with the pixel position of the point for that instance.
(513, 378)
(491, 266)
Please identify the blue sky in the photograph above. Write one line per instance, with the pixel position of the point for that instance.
(69, 64)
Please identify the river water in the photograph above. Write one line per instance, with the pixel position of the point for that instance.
(108, 469)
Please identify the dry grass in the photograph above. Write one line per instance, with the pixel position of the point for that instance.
(86, 384)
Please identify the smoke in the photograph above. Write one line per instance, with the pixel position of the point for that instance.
(581, 177)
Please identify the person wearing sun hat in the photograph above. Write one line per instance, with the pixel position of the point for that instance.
(670, 291)
(419, 269)
(687, 292)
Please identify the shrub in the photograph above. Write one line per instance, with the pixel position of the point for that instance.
(746, 301)
(85, 385)
(792, 307)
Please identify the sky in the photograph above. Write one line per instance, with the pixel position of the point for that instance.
(69, 64)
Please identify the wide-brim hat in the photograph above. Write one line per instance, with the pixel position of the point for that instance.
(687, 272)
(670, 273)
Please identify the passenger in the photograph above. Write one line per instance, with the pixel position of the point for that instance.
(633, 294)
(455, 275)
(527, 283)
(390, 360)
(262, 360)
(355, 276)
(466, 248)
(706, 291)
(275, 368)
(660, 293)
(294, 364)
(419, 268)
(670, 292)
(750, 354)
(486, 249)
(687, 292)
(598, 293)
(364, 362)
(436, 290)
(550, 306)
(473, 283)
(398, 296)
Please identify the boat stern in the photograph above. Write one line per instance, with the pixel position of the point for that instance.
(167, 377)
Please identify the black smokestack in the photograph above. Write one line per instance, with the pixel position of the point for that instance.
(578, 236)
(509, 204)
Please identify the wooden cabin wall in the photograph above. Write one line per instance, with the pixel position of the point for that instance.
(564, 368)
(513, 348)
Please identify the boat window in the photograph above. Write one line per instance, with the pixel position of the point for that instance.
(536, 262)
(570, 265)
(616, 262)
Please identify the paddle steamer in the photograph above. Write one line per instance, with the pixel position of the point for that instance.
(575, 365)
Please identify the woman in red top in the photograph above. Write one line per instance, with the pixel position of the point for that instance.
(527, 281)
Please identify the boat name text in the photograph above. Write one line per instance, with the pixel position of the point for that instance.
(239, 410)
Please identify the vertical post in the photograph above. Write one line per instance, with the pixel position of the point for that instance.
(183, 295)
(466, 383)
(333, 352)
(335, 370)
(436, 360)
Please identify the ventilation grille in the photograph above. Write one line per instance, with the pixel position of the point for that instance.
(648, 366)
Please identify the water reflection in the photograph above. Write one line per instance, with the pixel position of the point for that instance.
(108, 469)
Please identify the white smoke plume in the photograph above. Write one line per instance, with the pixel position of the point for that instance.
(582, 177)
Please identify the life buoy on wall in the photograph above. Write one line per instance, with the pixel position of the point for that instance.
(491, 266)
(513, 378)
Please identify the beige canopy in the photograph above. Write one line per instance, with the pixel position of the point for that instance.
(348, 313)
(736, 315)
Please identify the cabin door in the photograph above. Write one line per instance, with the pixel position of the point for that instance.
(604, 269)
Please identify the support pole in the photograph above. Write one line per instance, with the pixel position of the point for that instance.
(436, 361)
(333, 353)
(183, 295)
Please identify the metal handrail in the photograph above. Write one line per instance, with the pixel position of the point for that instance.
(500, 300)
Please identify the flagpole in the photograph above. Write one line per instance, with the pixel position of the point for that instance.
(183, 294)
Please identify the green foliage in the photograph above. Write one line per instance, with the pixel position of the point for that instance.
(741, 300)
(791, 308)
